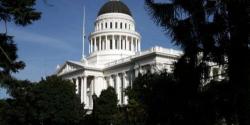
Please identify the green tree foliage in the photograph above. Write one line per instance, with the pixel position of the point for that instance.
(160, 99)
(2, 105)
(105, 107)
(51, 101)
(20, 12)
(154, 99)
(57, 102)
(209, 30)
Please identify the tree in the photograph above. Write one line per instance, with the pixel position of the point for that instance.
(2, 105)
(209, 31)
(154, 99)
(105, 107)
(22, 13)
(57, 102)
(51, 101)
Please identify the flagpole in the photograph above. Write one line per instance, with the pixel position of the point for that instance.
(83, 33)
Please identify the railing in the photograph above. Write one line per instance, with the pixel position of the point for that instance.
(152, 50)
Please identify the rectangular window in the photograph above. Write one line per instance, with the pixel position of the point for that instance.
(116, 44)
(121, 43)
(110, 44)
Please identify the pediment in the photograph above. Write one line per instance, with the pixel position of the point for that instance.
(68, 67)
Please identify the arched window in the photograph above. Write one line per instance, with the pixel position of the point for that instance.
(101, 25)
(106, 25)
(125, 25)
(116, 25)
(120, 25)
(129, 26)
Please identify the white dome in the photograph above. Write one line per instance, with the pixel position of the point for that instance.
(114, 37)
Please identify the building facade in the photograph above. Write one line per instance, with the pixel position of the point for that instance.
(115, 57)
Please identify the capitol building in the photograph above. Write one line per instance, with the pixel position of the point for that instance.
(115, 57)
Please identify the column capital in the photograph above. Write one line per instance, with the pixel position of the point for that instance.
(84, 76)
(116, 75)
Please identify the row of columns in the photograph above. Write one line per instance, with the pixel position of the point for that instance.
(113, 25)
(120, 82)
(81, 87)
(114, 42)
(87, 86)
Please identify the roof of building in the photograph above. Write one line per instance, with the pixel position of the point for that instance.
(114, 6)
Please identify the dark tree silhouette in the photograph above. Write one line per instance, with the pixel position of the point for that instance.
(51, 101)
(156, 99)
(209, 31)
(20, 12)
(105, 107)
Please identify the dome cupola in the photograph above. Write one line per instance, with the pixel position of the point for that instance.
(114, 6)
(114, 36)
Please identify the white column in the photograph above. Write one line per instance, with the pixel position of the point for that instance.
(125, 85)
(123, 44)
(118, 88)
(127, 43)
(93, 85)
(136, 72)
(76, 83)
(99, 85)
(90, 45)
(85, 90)
(132, 44)
(139, 45)
(95, 44)
(136, 44)
(111, 81)
(105, 82)
(82, 89)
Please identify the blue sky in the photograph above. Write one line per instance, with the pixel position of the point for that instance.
(57, 36)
